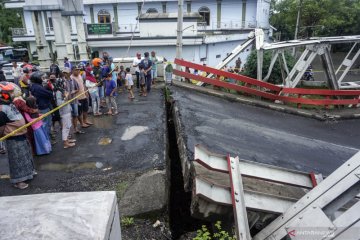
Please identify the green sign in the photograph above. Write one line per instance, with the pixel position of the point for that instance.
(98, 29)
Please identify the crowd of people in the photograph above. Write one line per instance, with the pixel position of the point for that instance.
(66, 96)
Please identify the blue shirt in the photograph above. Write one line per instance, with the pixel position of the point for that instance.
(110, 85)
(43, 96)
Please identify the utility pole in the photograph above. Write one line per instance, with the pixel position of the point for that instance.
(179, 42)
(297, 23)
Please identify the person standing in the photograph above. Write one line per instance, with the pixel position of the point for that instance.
(72, 88)
(54, 69)
(110, 93)
(67, 63)
(24, 81)
(155, 62)
(142, 81)
(238, 64)
(21, 162)
(147, 64)
(91, 85)
(16, 72)
(83, 107)
(43, 98)
(114, 70)
(65, 112)
(42, 141)
(2, 76)
(121, 78)
(129, 83)
(136, 62)
(98, 76)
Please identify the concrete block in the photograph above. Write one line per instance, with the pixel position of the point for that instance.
(147, 194)
(58, 216)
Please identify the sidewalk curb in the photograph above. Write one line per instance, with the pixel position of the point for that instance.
(258, 103)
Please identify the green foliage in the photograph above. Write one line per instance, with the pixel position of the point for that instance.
(318, 17)
(275, 77)
(219, 234)
(127, 221)
(9, 18)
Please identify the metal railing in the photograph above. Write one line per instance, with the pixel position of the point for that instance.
(230, 25)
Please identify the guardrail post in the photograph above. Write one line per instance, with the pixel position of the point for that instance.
(299, 104)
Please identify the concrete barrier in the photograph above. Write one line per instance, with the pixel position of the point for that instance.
(58, 216)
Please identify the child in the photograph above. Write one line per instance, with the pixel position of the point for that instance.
(65, 112)
(129, 83)
(110, 93)
(121, 78)
(42, 141)
(142, 80)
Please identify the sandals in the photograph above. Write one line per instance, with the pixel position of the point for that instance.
(71, 140)
(79, 132)
(70, 145)
(21, 185)
(85, 126)
(88, 123)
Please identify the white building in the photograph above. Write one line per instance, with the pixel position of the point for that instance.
(212, 28)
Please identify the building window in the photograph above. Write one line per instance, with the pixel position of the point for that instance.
(152, 10)
(205, 14)
(188, 6)
(163, 7)
(104, 16)
(51, 26)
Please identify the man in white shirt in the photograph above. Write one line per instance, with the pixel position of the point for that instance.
(16, 72)
(136, 62)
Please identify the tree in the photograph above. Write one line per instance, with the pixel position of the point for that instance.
(318, 17)
(9, 18)
(276, 76)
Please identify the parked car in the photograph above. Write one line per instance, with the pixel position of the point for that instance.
(7, 68)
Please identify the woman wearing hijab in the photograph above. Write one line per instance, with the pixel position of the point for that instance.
(21, 162)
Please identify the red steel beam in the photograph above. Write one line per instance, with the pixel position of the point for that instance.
(323, 92)
(237, 77)
(266, 94)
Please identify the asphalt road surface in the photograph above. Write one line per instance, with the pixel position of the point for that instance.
(263, 135)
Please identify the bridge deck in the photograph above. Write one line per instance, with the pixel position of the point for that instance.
(263, 135)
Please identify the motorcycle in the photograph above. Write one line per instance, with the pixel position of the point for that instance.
(309, 74)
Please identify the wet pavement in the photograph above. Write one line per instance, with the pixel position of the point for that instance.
(264, 135)
(116, 149)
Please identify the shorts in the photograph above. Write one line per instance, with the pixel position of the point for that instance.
(129, 87)
(83, 106)
(74, 109)
(119, 82)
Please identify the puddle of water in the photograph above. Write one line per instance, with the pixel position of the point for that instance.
(104, 141)
(70, 167)
(103, 122)
(132, 132)
(99, 165)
